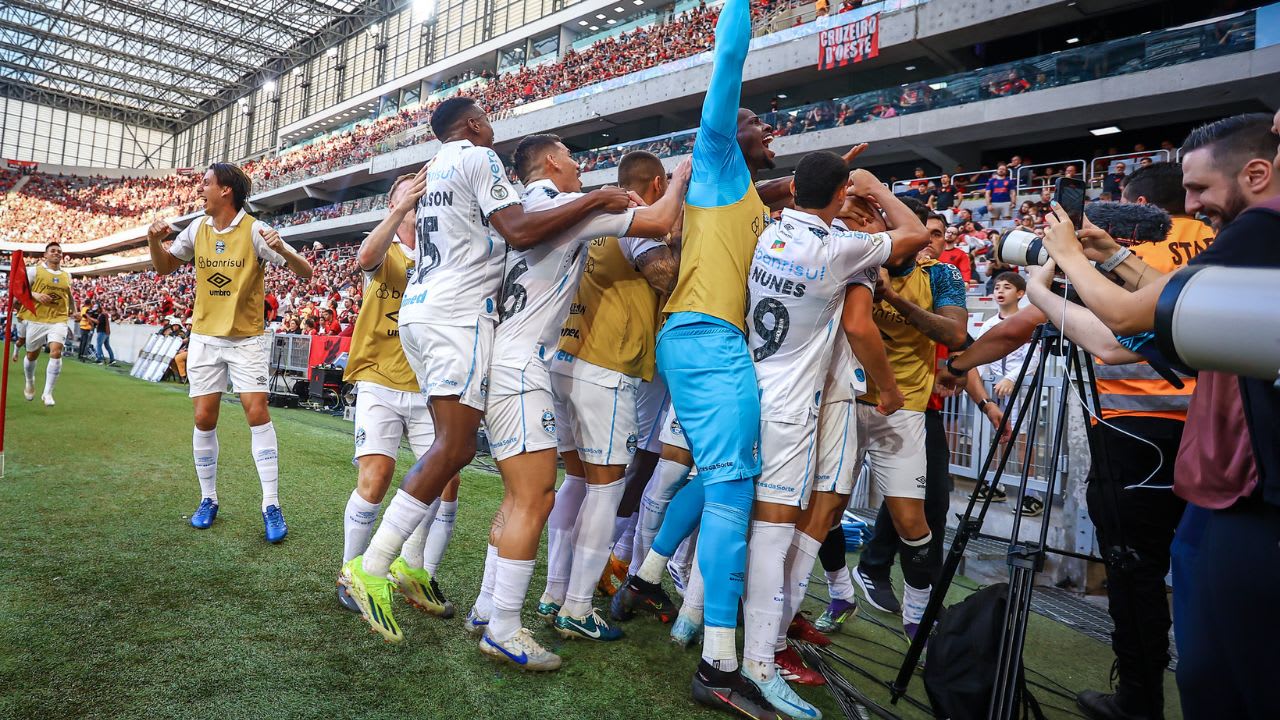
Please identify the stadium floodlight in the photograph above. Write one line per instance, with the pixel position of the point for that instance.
(619, 9)
(909, 68)
(424, 11)
(269, 87)
(583, 23)
(637, 2)
(1108, 130)
(600, 16)
(941, 85)
(593, 28)
(332, 51)
(1073, 40)
(782, 96)
(611, 21)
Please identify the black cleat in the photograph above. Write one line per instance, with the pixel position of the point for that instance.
(878, 591)
(1103, 706)
(635, 595)
(730, 692)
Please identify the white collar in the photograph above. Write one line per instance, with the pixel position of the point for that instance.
(801, 216)
(208, 219)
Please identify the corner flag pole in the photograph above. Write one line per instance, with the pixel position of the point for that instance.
(4, 375)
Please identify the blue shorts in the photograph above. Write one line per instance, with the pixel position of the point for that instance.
(708, 370)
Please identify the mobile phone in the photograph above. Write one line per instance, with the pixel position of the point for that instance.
(1069, 194)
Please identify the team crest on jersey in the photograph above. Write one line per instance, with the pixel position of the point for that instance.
(549, 422)
(56, 279)
(484, 387)
(498, 192)
(360, 437)
(860, 375)
(219, 247)
(631, 444)
(676, 429)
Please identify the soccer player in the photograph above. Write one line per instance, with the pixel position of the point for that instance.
(230, 249)
(520, 417)
(388, 403)
(447, 320)
(51, 291)
(796, 287)
(605, 356)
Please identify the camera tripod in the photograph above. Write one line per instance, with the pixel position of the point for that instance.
(1026, 558)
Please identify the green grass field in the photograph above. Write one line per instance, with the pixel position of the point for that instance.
(112, 606)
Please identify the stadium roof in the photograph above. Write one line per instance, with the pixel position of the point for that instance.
(163, 63)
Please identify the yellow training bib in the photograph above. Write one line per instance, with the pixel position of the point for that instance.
(229, 282)
(376, 355)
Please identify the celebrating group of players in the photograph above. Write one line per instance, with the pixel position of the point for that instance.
(665, 318)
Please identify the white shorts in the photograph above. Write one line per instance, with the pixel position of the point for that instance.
(788, 453)
(39, 334)
(19, 328)
(894, 448)
(837, 448)
(384, 415)
(652, 399)
(521, 414)
(450, 360)
(672, 434)
(1001, 210)
(246, 363)
(595, 410)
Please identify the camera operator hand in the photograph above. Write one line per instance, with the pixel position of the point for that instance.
(1098, 244)
(1060, 237)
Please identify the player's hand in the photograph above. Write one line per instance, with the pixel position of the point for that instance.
(417, 188)
(611, 199)
(863, 184)
(996, 416)
(884, 288)
(1003, 389)
(273, 240)
(680, 176)
(1098, 244)
(862, 214)
(636, 200)
(891, 401)
(852, 153)
(947, 380)
(41, 297)
(159, 230)
(1060, 237)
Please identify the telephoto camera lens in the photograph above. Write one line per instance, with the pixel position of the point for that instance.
(1222, 318)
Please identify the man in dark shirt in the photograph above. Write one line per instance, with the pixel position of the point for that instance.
(102, 334)
(946, 195)
(1112, 181)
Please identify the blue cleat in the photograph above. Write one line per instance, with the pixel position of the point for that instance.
(273, 521)
(684, 632)
(204, 515)
(591, 627)
(784, 699)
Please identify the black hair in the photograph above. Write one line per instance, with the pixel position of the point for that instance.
(448, 113)
(52, 244)
(1235, 140)
(936, 216)
(638, 168)
(1013, 278)
(1130, 221)
(231, 176)
(819, 176)
(528, 152)
(1161, 184)
(921, 210)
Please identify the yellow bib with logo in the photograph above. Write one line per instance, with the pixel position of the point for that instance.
(613, 320)
(229, 282)
(57, 284)
(715, 256)
(911, 354)
(376, 355)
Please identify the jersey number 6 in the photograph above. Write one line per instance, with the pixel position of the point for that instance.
(514, 295)
(772, 337)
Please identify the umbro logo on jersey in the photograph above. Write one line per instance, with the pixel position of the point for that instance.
(393, 316)
(219, 280)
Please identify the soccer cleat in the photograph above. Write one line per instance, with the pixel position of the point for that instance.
(685, 632)
(273, 524)
(636, 594)
(801, 629)
(29, 391)
(344, 597)
(1029, 507)
(997, 493)
(615, 569)
(910, 629)
(419, 589)
(677, 577)
(474, 624)
(522, 651)
(48, 400)
(548, 610)
(1105, 706)
(730, 692)
(204, 515)
(879, 591)
(373, 594)
(835, 616)
(591, 627)
(793, 669)
(779, 694)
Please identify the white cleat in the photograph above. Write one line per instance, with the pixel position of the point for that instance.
(29, 391)
(521, 651)
(48, 400)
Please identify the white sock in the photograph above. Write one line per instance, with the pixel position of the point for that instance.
(914, 601)
(591, 540)
(29, 370)
(403, 515)
(764, 594)
(624, 535)
(357, 525)
(204, 446)
(801, 557)
(652, 567)
(265, 455)
(694, 595)
(484, 601)
(510, 585)
(51, 373)
(668, 477)
(411, 551)
(720, 648)
(840, 584)
(560, 523)
(438, 537)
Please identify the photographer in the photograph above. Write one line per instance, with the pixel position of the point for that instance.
(1229, 459)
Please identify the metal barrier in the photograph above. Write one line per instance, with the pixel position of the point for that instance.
(1099, 166)
(1046, 180)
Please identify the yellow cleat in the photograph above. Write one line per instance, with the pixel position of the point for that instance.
(373, 595)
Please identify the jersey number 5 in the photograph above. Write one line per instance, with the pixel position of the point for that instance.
(514, 295)
(772, 337)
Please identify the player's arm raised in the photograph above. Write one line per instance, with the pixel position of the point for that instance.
(373, 250)
(523, 230)
(161, 259)
(296, 262)
(908, 233)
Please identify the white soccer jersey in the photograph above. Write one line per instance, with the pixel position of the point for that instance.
(796, 291)
(458, 255)
(846, 379)
(540, 282)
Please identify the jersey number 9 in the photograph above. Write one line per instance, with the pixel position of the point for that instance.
(772, 337)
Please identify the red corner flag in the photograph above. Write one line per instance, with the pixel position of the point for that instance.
(19, 288)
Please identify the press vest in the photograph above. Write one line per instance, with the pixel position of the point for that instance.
(376, 355)
(715, 256)
(229, 282)
(57, 284)
(911, 354)
(614, 317)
